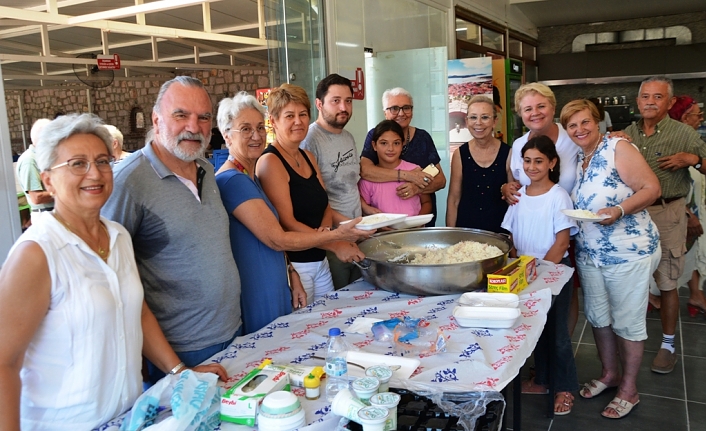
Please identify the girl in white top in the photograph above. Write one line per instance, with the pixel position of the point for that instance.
(540, 229)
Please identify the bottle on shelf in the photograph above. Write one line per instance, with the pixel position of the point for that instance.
(336, 365)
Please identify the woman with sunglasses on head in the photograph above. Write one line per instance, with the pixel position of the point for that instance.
(73, 321)
(477, 172)
(257, 239)
(418, 148)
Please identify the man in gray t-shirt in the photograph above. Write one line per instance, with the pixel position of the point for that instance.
(338, 161)
(167, 198)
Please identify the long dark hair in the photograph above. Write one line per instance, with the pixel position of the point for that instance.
(546, 146)
(387, 126)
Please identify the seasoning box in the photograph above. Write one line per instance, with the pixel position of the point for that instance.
(514, 277)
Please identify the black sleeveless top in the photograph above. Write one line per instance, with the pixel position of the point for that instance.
(481, 205)
(309, 202)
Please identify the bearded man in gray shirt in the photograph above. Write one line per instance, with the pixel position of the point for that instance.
(338, 161)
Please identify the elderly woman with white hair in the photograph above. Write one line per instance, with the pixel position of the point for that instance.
(257, 238)
(118, 153)
(418, 148)
(73, 321)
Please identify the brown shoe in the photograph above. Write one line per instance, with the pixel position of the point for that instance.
(664, 362)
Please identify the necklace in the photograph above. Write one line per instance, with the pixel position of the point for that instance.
(293, 157)
(587, 156)
(406, 144)
(237, 164)
(103, 253)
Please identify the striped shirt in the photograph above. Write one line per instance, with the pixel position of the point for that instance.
(670, 137)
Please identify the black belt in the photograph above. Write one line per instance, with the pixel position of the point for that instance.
(664, 201)
(41, 210)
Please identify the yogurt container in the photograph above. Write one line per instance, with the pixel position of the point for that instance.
(347, 405)
(366, 387)
(373, 418)
(389, 400)
(383, 373)
(280, 411)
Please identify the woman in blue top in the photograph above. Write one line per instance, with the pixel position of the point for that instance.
(257, 239)
(615, 257)
(540, 229)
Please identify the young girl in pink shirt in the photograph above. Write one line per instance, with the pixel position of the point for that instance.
(383, 197)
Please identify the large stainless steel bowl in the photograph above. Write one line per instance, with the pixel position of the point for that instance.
(386, 267)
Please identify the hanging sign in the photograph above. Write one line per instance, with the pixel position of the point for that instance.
(108, 62)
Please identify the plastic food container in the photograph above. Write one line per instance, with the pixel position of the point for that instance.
(280, 411)
(347, 405)
(383, 373)
(486, 317)
(389, 400)
(373, 418)
(484, 299)
(366, 387)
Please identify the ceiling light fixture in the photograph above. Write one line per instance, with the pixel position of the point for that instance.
(156, 6)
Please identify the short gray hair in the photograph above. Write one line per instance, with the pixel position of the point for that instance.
(37, 129)
(659, 78)
(397, 91)
(230, 108)
(186, 81)
(116, 134)
(62, 128)
(480, 98)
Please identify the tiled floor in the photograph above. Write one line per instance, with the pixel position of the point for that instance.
(673, 402)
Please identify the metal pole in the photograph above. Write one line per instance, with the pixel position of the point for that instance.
(21, 107)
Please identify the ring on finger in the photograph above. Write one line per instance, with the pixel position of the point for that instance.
(426, 180)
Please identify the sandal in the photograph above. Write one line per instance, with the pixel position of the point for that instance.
(563, 400)
(529, 387)
(593, 389)
(621, 407)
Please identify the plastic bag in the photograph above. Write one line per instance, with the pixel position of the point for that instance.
(194, 400)
(411, 336)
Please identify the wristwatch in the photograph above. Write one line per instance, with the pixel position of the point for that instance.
(697, 166)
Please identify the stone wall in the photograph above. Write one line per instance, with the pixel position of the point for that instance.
(115, 103)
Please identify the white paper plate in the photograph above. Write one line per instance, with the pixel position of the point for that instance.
(407, 365)
(377, 221)
(413, 221)
(486, 317)
(575, 214)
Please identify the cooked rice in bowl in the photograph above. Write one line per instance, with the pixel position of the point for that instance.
(462, 252)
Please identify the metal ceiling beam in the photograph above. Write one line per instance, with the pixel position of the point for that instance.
(60, 4)
(156, 6)
(127, 28)
(214, 50)
(126, 63)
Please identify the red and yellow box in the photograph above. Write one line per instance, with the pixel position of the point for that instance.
(514, 277)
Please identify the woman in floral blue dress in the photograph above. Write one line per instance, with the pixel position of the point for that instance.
(616, 256)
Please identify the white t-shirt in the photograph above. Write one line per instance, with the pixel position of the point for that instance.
(603, 125)
(568, 155)
(535, 220)
(82, 367)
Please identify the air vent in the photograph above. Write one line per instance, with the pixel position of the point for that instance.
(680, 33)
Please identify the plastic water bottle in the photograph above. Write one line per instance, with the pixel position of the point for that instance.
(336, 365)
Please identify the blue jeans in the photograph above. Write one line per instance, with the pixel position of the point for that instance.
(565, 378)
(193, 358)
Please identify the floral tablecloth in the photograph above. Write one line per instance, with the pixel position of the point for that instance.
(476, 359)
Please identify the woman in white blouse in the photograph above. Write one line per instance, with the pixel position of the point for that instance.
(73, 322)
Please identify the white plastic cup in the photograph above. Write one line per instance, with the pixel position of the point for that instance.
(389, 400)
(383, 373)
(347, 405)
(373, 418)
(366, 387)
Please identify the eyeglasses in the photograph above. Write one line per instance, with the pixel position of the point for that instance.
(394, 110)
(249, 132)
(482, 118)
(699, 114)
(80, 166)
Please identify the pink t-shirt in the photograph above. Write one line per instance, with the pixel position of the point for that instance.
(383, 196)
